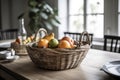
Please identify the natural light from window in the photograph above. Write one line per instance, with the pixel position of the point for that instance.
(94, 16)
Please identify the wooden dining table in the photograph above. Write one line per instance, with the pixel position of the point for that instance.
(90, 68)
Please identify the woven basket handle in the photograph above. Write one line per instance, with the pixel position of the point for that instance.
(39, 31)
(84, 38)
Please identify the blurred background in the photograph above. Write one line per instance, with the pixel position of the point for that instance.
(99, 17)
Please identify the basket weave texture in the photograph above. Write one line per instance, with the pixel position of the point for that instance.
(58, 58)
(19, 49)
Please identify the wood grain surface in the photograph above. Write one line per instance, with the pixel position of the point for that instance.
(89, 69)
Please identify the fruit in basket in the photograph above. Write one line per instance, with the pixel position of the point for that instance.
(32, 37)
(17, 40)
(43, 43)
(34, 45)
(28, 40)
(70, 40)
(53, 43)
(49, 36)
(64, 44)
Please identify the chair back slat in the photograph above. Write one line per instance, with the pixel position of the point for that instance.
(111, 47)
(105, 43)
(119, 49)
(8, 34)
(116, 46)
(76, 36)
(112, 43)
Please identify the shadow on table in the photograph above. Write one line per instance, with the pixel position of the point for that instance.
(2, 49)
(1, 78)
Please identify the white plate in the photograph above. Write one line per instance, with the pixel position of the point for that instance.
(9, 59)
(12, 57)
(112, 68)
(5, 44)
(4, 54)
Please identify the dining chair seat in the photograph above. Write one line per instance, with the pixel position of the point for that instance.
(111, 43)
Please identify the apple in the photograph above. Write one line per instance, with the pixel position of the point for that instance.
(69, 39)
(18, 40)
(53, 43)
(64, 44)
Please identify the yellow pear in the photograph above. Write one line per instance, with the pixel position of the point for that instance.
(49, 36)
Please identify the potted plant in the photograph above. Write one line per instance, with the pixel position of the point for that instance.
(42, 15)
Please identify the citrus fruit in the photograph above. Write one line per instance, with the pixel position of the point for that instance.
(64, 44)
(53, 43)
(43, 43)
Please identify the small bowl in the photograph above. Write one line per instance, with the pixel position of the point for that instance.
(4, 54)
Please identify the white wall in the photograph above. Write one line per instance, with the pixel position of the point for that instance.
(62, 7)
(119, 17)
(111, 17)
(18, 7)
(5, 15)
(11, 9)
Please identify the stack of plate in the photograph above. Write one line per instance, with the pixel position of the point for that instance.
(8, 55)
(112, 68)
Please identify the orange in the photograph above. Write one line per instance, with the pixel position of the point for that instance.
(43, 43)
(64, 44)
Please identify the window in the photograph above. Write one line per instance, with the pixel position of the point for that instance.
(86, 15)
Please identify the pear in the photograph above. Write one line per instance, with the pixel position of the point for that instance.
(49, 36)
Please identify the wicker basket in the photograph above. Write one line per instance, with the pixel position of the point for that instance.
(59, 58)
(19, 49)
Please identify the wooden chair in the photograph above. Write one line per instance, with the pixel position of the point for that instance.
(111, 43)
(8, 34)
(76, 36)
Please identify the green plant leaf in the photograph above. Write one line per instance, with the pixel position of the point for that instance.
(48, 25)
(32, 3)
(44, 16)
(47, 7)
(54, 23)
(35, 10)
(57, 19)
